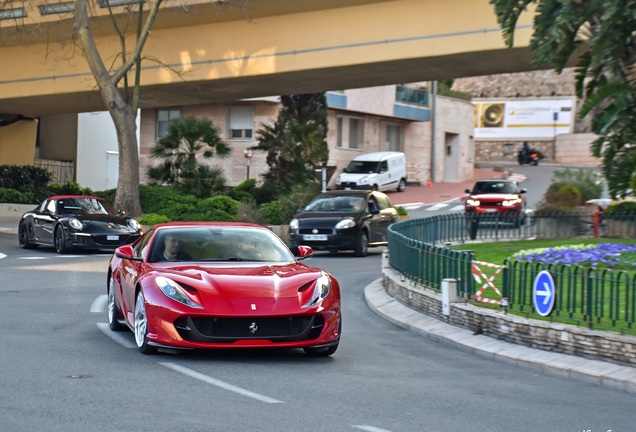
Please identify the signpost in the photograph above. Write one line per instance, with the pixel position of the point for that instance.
(543, 293)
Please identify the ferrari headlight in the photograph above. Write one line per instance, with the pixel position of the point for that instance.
(134, 225)
(172, 290)
(293, 225)
(322, 288)
(472, 202)
(76, 224)
(346, 224)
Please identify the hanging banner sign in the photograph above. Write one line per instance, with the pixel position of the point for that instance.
(500, 119)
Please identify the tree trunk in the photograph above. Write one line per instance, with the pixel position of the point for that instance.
(123, 115)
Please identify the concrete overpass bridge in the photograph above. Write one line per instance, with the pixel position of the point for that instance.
(268, 47)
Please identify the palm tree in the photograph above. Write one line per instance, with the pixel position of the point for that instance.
(597, 35)
(187, 139)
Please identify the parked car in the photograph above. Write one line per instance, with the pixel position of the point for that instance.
(344, 220)
(76, 222)
(497, 197)
(224, 285)
(379, 171)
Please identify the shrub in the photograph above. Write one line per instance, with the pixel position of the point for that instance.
(69, 188)
(24, 178)
(625, 207)
(16, 197)
(401, 211)
(565, 195)
(151, 219)
(249, 212)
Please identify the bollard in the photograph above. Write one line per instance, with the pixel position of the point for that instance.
(449, 293)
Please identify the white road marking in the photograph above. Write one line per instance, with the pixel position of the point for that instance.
(2, 255)
(34, 258)
(370, 428)
(99, 304)
(117, 337)
(221, 384)
(437, 207)
(411, 206)
(457, 208)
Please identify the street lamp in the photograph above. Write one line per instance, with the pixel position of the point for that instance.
(248, 153)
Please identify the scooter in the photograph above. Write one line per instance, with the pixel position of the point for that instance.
(531, 157)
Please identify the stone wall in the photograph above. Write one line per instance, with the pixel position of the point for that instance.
(562, 338)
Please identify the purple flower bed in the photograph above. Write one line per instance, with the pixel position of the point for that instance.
(605, 254)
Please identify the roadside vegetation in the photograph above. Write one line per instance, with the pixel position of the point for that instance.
(186, 186)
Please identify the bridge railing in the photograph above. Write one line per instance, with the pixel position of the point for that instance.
(418, 250)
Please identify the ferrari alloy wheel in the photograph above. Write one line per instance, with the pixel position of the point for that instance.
(321, 351)
(363, 245)
(23, 236)
(113, 311)
(60, 240)
(141, 326)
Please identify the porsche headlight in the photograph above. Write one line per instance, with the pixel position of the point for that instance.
(293, 224)
(322, 288)
(346, 224)
(76, 224)
(134, 225)
(472, 202)
(172, 290)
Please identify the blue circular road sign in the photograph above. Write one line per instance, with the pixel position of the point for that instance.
(543, 293)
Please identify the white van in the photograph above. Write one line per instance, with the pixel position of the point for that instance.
(377, 171)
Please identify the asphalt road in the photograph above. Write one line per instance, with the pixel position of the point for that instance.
(63, 370)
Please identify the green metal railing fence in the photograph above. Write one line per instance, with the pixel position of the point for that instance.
(418, 249)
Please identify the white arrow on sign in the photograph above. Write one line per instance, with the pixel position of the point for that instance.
(546, 293)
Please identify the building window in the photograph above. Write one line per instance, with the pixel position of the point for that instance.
(355, 133)
(164, 119)
(241, 122)
(411, 95)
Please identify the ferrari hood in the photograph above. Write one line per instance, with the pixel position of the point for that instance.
(266, 288)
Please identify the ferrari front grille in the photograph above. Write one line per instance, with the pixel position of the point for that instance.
(229, 330)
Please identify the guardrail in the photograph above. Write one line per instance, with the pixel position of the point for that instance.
(418, 250)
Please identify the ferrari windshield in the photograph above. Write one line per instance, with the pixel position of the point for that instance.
(216, 243)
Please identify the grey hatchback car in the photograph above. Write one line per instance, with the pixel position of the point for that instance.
(343, 220)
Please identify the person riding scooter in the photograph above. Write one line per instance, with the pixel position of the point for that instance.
(528, 155)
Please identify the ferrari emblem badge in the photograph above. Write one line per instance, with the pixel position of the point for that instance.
(253, 327)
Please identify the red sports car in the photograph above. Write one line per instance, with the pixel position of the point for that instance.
(221, 285)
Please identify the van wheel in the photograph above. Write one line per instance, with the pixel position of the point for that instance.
(374, 187)
(401, 186)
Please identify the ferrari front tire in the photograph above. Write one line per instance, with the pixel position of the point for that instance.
(113, 311)
(141, 326)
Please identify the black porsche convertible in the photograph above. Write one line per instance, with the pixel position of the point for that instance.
(76, 222)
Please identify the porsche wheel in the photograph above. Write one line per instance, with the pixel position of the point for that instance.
(141, 326)
(113, 311)
(23, 236)
(362, 247)
(60, 240)
(321, 351)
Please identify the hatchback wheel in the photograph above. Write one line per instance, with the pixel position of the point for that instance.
(141, 326)
(363, 245)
